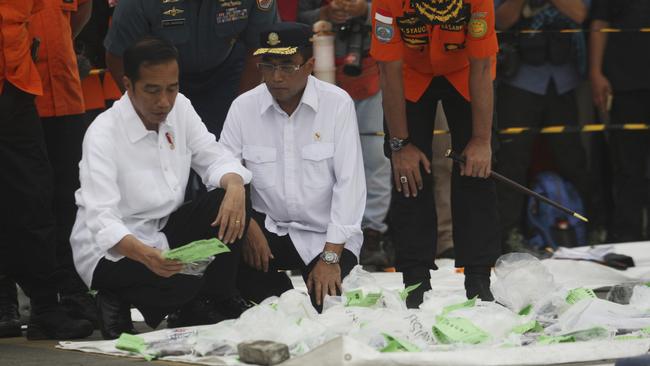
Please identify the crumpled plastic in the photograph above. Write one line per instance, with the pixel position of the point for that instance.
(640, 298)
(521, 281)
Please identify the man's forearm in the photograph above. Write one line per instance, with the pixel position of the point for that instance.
(130, 247)
(250, 78)
(574, 9)
(508, 13)
(336, 248)
(392, 87)
(80, 18)
(597, 45)
(482, 98)
(115, 66)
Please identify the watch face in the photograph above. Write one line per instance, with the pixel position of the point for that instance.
(395, 143)
(329, 257)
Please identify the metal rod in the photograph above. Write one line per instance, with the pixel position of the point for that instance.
(461, 159)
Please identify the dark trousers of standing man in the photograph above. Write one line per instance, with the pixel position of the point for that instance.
(156, 296)
(258, 285)
(63, 139)
(473, 200)
(517, 107)
(631, 156)
(27, 226)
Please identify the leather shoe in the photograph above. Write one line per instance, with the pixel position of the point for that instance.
(478, 285)
(196, 312)
(81, 305)
(232, 307)
(114, 315)
(52, 322)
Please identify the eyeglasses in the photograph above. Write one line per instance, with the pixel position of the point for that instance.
(284, 69)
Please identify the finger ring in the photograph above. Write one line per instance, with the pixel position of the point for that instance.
(403, 179)
(237, 222)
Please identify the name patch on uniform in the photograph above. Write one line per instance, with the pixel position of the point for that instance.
(264, 5)
(452, 27)
(231, 15)
(230, 4)
(173, 22)
(413, 30)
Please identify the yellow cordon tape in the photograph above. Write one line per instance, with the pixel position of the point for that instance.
(550, 130)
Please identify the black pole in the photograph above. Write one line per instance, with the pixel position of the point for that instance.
(461, 159)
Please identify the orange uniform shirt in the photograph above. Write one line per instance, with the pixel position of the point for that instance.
(16, 64)
(427, 50)
(57, 60)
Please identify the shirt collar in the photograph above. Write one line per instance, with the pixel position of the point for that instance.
(135, 129)
(309, 97)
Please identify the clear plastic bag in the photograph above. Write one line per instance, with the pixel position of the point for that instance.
(197, 268)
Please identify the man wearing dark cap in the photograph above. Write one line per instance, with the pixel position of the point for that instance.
(299, 137)
(430, 51)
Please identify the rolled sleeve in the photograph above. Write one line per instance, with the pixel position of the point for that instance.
(110, 235)
(386, 41)
(349, 193)
(481, 35)
(215, 176)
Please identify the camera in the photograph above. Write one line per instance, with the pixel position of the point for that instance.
(352, 35)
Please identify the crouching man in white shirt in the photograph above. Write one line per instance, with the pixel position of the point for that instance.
(136, 161)
(299, 137)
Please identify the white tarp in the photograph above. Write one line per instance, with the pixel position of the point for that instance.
(334, 350)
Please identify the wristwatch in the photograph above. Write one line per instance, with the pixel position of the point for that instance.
(396, 144)
(329, 257)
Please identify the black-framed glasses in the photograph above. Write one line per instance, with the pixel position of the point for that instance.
(284, 69)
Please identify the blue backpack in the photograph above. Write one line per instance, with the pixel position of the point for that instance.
(546, 221)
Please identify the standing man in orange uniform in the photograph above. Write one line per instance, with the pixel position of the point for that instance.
(27, 227)
(432, 50)
(61, 108)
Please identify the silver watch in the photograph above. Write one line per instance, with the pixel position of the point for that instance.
(329, 257)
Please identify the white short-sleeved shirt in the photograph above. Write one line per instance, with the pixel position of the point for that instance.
(308, 175)
(132, 179)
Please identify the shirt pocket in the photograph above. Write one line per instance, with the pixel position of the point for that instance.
(452, 37)
(262, 162)
(316, 163)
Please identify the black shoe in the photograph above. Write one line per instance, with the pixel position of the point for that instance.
(372, 253)
(232, 307)
(9, 319)
(54, 323)
(114, 315)
(81, 305)
(478, 285)
(414, 298)
(196, 312)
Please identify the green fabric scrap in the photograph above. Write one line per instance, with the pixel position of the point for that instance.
(526, 310)
(467, 304)
(544, 339)
(404, 293)
(531, 326)
(356, 298)
(132, 343)
(397, 345)
(458, 330)
(579, 294)
(197, 250)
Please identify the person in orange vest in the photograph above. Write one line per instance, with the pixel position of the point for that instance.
(27, 225)
(61, 108)
(431, 50)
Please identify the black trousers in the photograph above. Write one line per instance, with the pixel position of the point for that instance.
(473, 200)
(157, 296)
(257, 285)
(63, 138)
(27, 225)
(630, 154)
(518, 107)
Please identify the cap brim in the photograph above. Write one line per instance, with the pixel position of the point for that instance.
(276, 51)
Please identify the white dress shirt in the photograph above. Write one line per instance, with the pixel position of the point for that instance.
(307, 168)
(132, 179)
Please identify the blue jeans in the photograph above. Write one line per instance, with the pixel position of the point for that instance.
(370, 117)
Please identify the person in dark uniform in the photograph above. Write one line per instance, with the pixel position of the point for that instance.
(619, 70)
(215, 40)
(429, 51)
